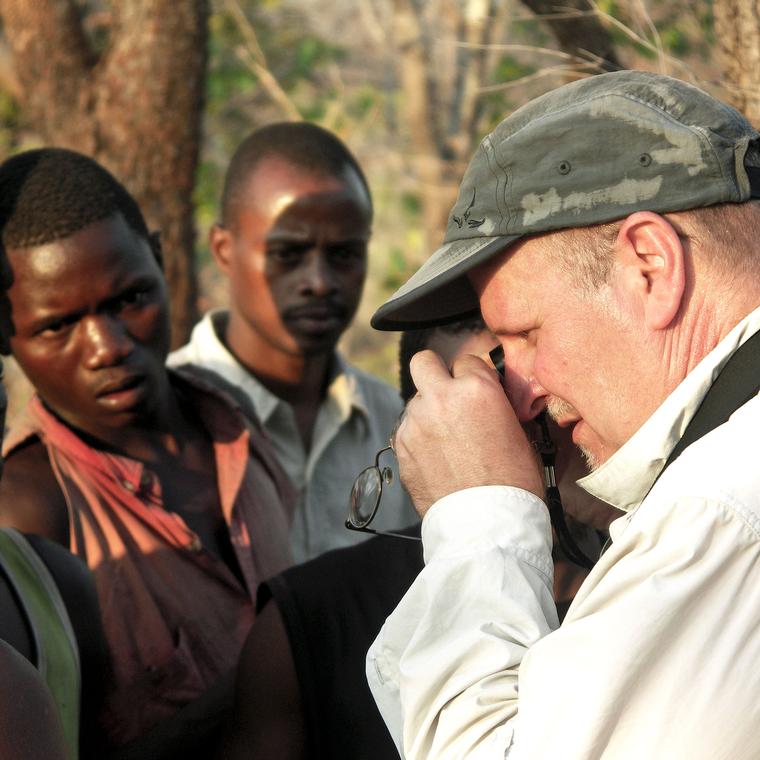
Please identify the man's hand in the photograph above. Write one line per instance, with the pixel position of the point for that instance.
(460, 431)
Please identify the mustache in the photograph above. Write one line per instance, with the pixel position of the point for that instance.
(118, 381)
(557, 408)
(320, 307)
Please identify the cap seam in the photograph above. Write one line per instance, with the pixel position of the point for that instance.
(501, 205)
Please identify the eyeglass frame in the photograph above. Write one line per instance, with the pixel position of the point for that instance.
(380, 474)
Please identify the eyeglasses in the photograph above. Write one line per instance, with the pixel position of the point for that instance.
(365, 497)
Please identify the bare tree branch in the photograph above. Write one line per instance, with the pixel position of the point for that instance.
(575, 34)
(518, 48)
(672, 63)
(253, 56)
(372, 23)
(421, 107)
(574, 70)
(475, 29)
(655, 35)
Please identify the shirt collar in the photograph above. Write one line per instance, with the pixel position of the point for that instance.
(217, 413)
(345, 389)
(626, 477)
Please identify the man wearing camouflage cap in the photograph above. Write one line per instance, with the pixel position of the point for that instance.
(608, 233)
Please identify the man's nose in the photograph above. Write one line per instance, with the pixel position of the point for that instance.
(108, 341)
(525, 393)
(318, 276)
(527, 396)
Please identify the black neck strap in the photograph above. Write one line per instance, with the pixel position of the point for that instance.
(737, 383)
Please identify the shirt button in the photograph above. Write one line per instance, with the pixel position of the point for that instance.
(128, 484)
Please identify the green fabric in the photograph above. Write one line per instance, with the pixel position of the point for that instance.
(57, 656)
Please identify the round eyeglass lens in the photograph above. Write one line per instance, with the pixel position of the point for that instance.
(365, 496)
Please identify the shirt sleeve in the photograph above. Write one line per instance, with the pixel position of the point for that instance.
(448, 657)
(657, 657)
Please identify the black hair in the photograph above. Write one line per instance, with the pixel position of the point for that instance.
(413, 341)
(48, 194)
(304, 145)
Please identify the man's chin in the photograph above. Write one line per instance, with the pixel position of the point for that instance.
(313, 346)
(593, 461)
(593, 450)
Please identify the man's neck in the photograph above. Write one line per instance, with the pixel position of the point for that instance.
(162, 433)
(710, 320)
(300, 381)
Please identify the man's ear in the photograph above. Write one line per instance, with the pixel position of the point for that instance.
(220, 242)
(652, 264)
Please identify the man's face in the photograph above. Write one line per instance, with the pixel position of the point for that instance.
(296, 257)
(90, 325)
(575, 352)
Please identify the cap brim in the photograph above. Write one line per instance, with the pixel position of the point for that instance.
(438, 292)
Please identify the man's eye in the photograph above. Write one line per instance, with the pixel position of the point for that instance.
(286, 255)
(347, 255)
(54, 328)
(134, 298)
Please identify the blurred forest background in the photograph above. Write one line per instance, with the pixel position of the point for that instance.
(162, 91)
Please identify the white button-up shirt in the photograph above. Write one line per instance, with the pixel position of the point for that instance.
(354, 422)
(659, 655)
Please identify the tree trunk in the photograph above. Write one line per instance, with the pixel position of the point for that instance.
(440, 102)
(737, 33)
(441, 92)
(420, 105)
(136, 108)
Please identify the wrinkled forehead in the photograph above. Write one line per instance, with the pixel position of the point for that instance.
(526, 259)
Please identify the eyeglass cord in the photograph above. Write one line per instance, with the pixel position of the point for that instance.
(547, 449)
(548, 452)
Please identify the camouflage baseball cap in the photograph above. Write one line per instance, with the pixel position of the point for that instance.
(592, 151)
